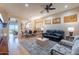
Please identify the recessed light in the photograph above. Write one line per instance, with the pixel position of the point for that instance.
(66, 6)
(26, 5)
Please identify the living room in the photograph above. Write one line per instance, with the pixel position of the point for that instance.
(40, 30)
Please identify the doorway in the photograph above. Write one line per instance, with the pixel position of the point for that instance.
(13, 29)
(13, 36)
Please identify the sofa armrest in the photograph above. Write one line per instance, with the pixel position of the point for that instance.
(60, 49)
(66, 43)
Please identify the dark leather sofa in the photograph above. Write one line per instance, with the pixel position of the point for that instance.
(54, 35)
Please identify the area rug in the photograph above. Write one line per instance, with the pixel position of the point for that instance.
(35, 49)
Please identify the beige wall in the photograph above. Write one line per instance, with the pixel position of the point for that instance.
(64, 26)
(5, 18)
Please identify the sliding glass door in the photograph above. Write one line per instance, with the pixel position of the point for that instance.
(13, 29)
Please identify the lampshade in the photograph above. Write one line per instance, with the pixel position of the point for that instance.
(5, 34)
(70, 29)
(42, 29)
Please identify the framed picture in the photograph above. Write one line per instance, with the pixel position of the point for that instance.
(38, 24)
(71, 18)
(56, 21)
(47, 22)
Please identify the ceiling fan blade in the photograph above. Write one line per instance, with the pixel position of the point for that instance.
(47, 11)
(42, 11)
(47, 6)
(52, 8)
(50, 4)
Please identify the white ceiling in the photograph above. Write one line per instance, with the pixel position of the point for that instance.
(19, 9)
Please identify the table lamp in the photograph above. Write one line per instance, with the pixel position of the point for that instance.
(42, 29)
(70, 30)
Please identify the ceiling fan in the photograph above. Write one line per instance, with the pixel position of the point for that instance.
(48, 7)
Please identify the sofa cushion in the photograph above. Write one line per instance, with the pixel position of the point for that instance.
(50, 32)
(75, 48)
(75, 51)
(53, 36)
(57, 34)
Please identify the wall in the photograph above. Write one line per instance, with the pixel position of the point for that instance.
(6, 15)
(64, 26)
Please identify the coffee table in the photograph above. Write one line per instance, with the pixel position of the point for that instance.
(43, 42)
